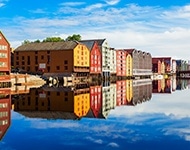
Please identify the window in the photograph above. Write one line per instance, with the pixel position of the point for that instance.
(66, 67)
(58, 67)
(48, 68)
(3, 55)
(42, 57)
(22, 57)
(65, 62)
(22, 62)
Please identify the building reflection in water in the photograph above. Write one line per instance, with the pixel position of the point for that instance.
(5, 110)
(169, 85)
(93, 101)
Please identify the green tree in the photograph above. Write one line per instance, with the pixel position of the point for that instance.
(53, 39)
(37, 41)
(74, 37)
(26, 42)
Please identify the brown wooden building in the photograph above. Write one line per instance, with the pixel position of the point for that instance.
(5, 61)
(47, 58)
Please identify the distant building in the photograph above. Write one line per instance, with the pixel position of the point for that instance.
(167, 65)
(121, 63)
(5, 59)
(65, 58)
(142, 62)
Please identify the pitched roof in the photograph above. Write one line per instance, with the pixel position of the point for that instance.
(67, 45)
(99, 41)
(4, 37)
(89, 44)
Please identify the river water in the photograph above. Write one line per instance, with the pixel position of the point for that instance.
(159, 120)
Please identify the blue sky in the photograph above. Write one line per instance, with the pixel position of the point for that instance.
(161, 27)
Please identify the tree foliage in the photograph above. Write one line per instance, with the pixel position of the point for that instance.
(74, 37)
(53, 39)
(25, 42)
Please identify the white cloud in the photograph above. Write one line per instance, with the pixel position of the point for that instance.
(181, 132)
(40, 124)
(112, 2)
(72, 3)
(112, 144)
(94, 6)
(1, 4)
(153, 29)
(38, 11)
(97, 141)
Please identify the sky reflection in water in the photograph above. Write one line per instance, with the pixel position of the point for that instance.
(161, 123)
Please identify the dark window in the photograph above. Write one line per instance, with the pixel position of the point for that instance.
(17, 58)
(36, 68)
(48, 68)
(58, 93)
(28, 61)
(66, 99)
(48, 59)
(42, 57)
(36, 59)
(66, 94)
(36, 52)
(17, 63)
(65, 62)
(58, 67)
(48, 52)
(22, 57)
(29, 101)
(66, 67)
(22, 62)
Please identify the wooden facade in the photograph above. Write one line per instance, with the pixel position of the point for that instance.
(95, 56)
(121, 63)
(59, 103)
(53, 58)
(5, 59)
(5, 111)
(96, 99)
(142, 63)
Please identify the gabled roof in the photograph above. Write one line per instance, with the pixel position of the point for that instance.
(67, 45)
(99, 41)
(89, 44)
(4, 37)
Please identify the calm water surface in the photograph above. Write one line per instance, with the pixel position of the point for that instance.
(158, 120)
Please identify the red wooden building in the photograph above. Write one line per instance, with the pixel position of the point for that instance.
(5, 61)
(156, 65)
(167, 63)
(95, 100)
(95, 56)
(121, 63)
(121, 93)
(5, 111)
